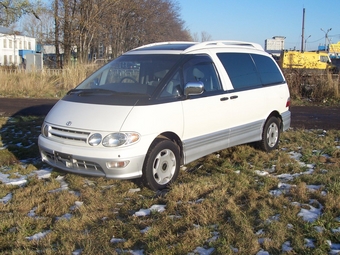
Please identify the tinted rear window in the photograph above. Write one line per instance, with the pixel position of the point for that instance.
(268, 70)
(250, 70)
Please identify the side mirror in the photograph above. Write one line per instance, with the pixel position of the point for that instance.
(193, 88)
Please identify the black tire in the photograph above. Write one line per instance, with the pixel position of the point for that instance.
(270, 135)
(161, 165)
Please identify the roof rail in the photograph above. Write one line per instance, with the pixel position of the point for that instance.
(161, 43)
(221, 43)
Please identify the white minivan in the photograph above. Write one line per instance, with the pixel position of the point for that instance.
(163, 105)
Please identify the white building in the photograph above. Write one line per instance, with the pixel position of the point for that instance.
(275, 45)
(11, 44)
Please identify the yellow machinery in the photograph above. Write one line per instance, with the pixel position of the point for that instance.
(305, 60)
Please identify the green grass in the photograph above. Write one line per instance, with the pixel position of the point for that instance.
(220, 201)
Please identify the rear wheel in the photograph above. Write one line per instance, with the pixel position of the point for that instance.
(161, 166)
(270, 135)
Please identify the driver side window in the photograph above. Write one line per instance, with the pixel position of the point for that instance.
(173, 88)
(202, 69)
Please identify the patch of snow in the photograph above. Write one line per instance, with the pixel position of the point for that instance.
(290, 226)
(264, 239)
(43, 173)
(132, 252)
(261, 172)
(117, 240)
(262, 252)
(38, 236)
(335, 247)
(215, 236)
(312, 214)
(6, 198)
(63, 185)
(89, 183)
(273, 218)
(234, 249)
(32, 212)
(77, 252)
(313, 188)
(336, 230)
(77, 205)
(319, 229)
(19, 181)
(202, 251)
(134, 190)
(173, 217)
(286, 247)
(146, 212)
(309, 243)
(143, 231)
(66, 216)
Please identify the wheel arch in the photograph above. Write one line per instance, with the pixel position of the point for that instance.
(278, 116)
(172, 137)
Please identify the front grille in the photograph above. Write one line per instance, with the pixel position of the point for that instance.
(68, 134)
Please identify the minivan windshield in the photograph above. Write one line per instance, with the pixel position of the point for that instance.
(132, 74)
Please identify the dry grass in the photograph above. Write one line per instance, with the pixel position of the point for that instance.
(42, 84)
(219, 202)
(304, 86)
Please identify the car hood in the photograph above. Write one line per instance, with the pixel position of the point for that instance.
(88, 116)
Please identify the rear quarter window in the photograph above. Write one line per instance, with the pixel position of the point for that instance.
(267, 69)
(250, 70)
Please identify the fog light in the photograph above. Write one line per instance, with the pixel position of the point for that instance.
(117, 164)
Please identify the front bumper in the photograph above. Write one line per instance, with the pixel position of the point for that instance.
(88, 161)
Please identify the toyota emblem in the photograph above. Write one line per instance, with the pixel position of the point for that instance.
(69, 123)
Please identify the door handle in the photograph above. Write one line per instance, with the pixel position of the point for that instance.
(224, 98)
(233, 97)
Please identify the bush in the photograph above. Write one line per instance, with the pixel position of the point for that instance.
(317, 87)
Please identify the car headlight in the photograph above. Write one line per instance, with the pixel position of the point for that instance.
(95, 139)
(118, 139)
(45, 130)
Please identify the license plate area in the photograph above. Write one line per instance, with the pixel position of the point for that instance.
(64, 158)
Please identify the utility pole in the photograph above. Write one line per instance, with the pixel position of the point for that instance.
(326, 36)
(303, 30)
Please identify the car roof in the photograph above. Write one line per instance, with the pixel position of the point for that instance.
(185, 47)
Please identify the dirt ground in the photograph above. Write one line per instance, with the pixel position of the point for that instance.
(305, 117)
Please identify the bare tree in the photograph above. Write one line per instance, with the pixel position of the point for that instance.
(205, 36)
(12, 10)
(107, 28)
(42, 29)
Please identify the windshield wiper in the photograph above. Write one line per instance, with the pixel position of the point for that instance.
(106, 92)
(86, 92)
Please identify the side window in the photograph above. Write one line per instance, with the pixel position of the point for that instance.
(173, 88)
(201, 68)
(268, 70)
(241, 70)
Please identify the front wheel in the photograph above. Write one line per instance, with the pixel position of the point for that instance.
(270, 135)
(161, 165)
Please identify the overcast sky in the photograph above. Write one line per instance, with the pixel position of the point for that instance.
(258, 20)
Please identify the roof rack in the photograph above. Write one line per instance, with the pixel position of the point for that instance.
(206, 44)
(161, 43)
(221, 43)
